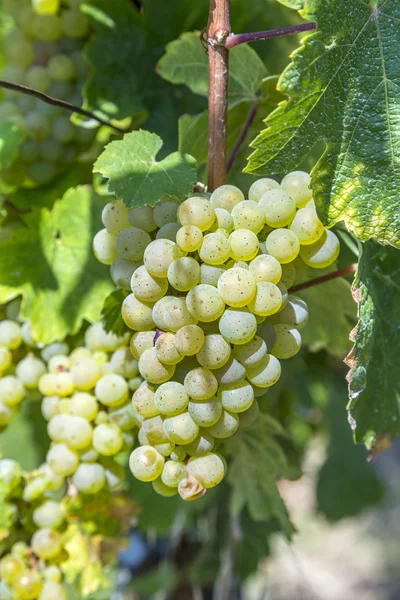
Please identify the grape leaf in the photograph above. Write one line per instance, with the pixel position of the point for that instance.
(111, 313)
(50, 262)
(343, 88)
(185, 61)
(135, 177)
(11, 137)
(374, 383)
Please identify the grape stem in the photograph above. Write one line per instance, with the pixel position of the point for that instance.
(242, 38)
(218, 30)
(23, 89)
(319, 280)
(242, 136)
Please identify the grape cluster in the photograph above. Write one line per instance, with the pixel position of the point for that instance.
(44, 51)
(212, 315)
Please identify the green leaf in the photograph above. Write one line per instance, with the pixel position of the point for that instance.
(111, 313)
(135, 176)
(185, 61)
(343, 89)
(50, 262)
(295, 4)
(11, 137)
(329, 329)
(253, 480)
(374, 383)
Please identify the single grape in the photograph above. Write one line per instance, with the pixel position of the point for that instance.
(46, 7)
(237, 325)
(200, 384)
(27, 585)
(248, 215)
(294, 314)
(85, 373)
(62, 460)
(61, 68)
(178, 453)
(232, 372)
(184, 274)
(244, 244)
(107, 439)
(210, 274)
(208, 470)
(125, 417)
(261, 186)
(143, 401)
(168, 232)
(131, 244)
(171, 398)
(146, 464)
(123, 363)
(166, 350)
(163, 490)
(72, 430)
(188, 340)
(5, 358)
(307, 226)
(189, 238)
(141, 341)
(159, 254)
(236, 397)
(237, 287)
(288, 274)
(115, 217)
(204, 303)
(297, 184)
(265, 268)
(52, 573)
(267, 300)
(152, 369)
(121, 272)
(196, 211)
(158, 312)
(265, 373)
(146, 287)
(181, 429)
(7, 414)
(89, 478)
(46, 543)
(165, 211)
(136, 314)
(111, 390)
(142, 217)
(214, 353)
(283, 244)
(252, 353)
(52, 590)
(12, 390)
(104, 247)
(173, 472)
(10, 334)
(53, 350)
(205, 413)
(48, 515)
(226, 196)
(226, 426)
(278, 208)
(215, 249)
(322, 253)
(288, 341)
(177, 315)
(10, 473)
(11, 567)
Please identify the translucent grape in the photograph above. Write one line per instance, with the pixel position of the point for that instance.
(166, 211)
(89, 478)
(27, 585)
(204, 303)
(132, 242)
(205, 413)
(52, 590)
(111, 390)
(136, 314)
(158, 312)
(29, 370)
(152, 431)
(189, 238)
(237, 287)
(288, 341)
(142, 217)
(83, 405)
(248, 215)
(177, 315)
(236, 397)
(297, 184)
(208, 470)
(232, 372)
(294, 314)
(307, 226)
(244, 244)
(288, 275)
(10, 473)
(146, 287)
(237, 325)
(53, 350)
(171, 398)
(75, 24)
(189, 339)
(46, 543)
(46, 7)
(226, 196)
(152, 369)
(124, 364)
(226, 426)
(52, 573)
(322, 253)
(265, 373)
(178, 454)
(184, 273)
(249, 416)
(261, 186)
(267, 300)
(72, 430)
(196, 211)
(141, 341)
(168, 231)
(215, 249)
(96, 338)
(159, 254)
(115, 217)
(146, 464)
(200, 384)
(203, 444)
(143, 401)
(265, 268)
(278, 208)
(107, 439)
(125, 417)
(7, 414)
(214, 353)
(11, 390)
(10, 334)
(252, 353)
(10, 568)
(283, 244)
(104, 247)
(163, 490)
(48, 514)
(210, 274)
(85, 373)
(173, 472)
(166, 350)
(181, 429)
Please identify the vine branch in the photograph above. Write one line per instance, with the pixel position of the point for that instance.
(218, 31)
(319, 280)
(242, 38)
(242, 136)
(23, 89)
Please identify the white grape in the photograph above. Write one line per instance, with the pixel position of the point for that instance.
(107, 439)
(215, 249)
(142, 217)
(146, 464)
(283, 244)
(267, 300)
(105, 247)
(10, 334)
(307, 226)
(297, 184)
(111, 390)
(12, 390)
(181, 429)
(183, 274)
(261, 186)
(237, 287)
(189, 340)
(214, 353)
(278, 208)
(237, 325)
(62, 460)
(159, 254)
(152, 369)
(196, 211)
(48, 514)
(89, 478)
(236, 397)
(204, 303)
(244, 244)
(252, 353)
(171, 398)
(265, 373)
(189, 238)
(136, 314)
(115, 217)
(132, 242)
(226, 196)
(248, 215)
(322, 253)
(208, 470)
(146, 287)
(265, 268)
(288, 341)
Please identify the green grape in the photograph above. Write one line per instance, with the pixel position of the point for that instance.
(208, 470)
(38, 78)
(189, 238)
(249, 416)
(288, 341)
(5, 358)
(265, 268)
(29, 151)
(84, 405)
(35, 488)
(297, 184)
(7, 414)
(104, 247)
(10, 473)
(166, 350)
(51, 479)
(111, 390)
(173, 472)
(322, 253)
(46, 7)
(136, 314)
(59, 363)
(74, 431)
(252, 353)
(159, 254)
(267, 300)
(158, 312)
(47, 28)
(236, 397)
(215, 249)
(124, 364)
(168, 231)
(85, 373)
(226, 196)
(115, 217)
(226, 426)
(165, 211)
(204, 303)
(231, 372)
(177, 315)
(146, 287)
(142, 217)
(203, 444)
(215, 352)
(196, 211)
(288, 275)
(237, 325)
(285, 294)
(237, 287)
(223, 220)
(261, 186)
(283, 244)
(171, 398)
(11, 567)
(181, 429)
(278, 208)
(52, 590)
(143, 401)
(146, 464)
(27, 585)
(63, 384)
(152, 430)
(53, 350)
(42, 172)
(20, 53)
(12, 390)
(244, 244)
(152, 369)
(141, 341)
(89, 455)
(132, 242)
(265, 373)
(184, 274)
(52, 573)
(107, 439)
(307, 226)
(294, 314)
(248, 215)
(10, 334)
(121, 272)
(46, 543)
(125, 417)
(63, 130)
(200, 384)
(210, 274)
(96, 338)
(75, 24)
(205, 413)
(62, 460)
(178, 453)
(188, 340)
(163, 490)
(51, 150)
(61, 68)
(48, 515)
(89, 478)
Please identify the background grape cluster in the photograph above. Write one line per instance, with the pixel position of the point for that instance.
(212, 315)
(44, 52)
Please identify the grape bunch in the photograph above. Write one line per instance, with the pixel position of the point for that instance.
(211, 315)
(44, 52)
